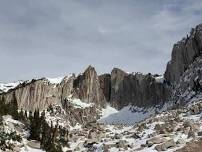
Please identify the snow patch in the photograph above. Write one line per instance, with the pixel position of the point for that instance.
(7, 86)
(79, 104)
(159, 79)
(108, 111)
(128, 115)
(55, 80)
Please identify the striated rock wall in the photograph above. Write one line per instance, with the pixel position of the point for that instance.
(87, 88)
(66, 87)
(183, 54)
(105, 85)
(183, 72)
(190, 83)
(37, 94)
(136, 89)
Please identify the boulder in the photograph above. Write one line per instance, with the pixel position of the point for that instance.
(17, 149)
(200, 133)
(118, 136)
(34, 144)
(191, 134)
(166, 145)
(194, 110)
(135, 136)
(122, 144)
(195, 146)
(155, 140)
(180, 141)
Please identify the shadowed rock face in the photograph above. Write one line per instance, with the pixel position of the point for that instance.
(87, 87)
(136, 89)
(183, 72)
(183, 54)
(190, 83)
(105, 85)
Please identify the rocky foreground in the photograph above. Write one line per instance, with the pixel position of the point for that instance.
(177, 130)
(174, 130)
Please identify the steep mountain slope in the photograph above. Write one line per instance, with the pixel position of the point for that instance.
(113, 112)
(39, 94)
(183, 54)
(183, 72)
(136, 89)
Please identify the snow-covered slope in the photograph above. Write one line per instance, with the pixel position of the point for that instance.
(4, 87)
(56, 80)
(128, 115)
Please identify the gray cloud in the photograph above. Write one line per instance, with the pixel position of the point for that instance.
(51, 38)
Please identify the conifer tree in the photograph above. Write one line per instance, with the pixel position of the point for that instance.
(21, 115)
(35, 126)
(14, 107)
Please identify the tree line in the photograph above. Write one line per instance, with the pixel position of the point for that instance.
(52, 137)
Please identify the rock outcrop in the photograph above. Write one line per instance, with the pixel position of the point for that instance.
(105, 85)
(183, 72)
(87, 87)
(120, 89)
(66, 87)
(183, 54)
(37, 94)
(136, 89)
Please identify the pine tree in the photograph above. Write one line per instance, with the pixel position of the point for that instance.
(21, 115)
(35, 126)
(14, 107)
(26, 114)
(4, 107)
(63, 136)
(1, 120)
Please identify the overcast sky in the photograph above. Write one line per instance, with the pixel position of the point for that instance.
(55, 37)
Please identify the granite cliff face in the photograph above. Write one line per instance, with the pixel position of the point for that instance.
(87, 87)
(39, 94)
(105, 85)
(136, 89)
(183, 54)
(182, 77)
(183, 72)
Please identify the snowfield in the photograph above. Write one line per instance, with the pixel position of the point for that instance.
(7, 86)
(56, 80)
(80, 104)
(128, 115)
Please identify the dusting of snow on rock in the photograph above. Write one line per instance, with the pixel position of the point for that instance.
(80, 104)
(159, 79)
(76, 127)
(106, 112)
(57, 116)
(4, 87)
(55, 80)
